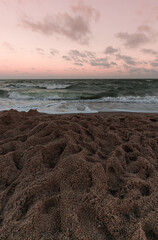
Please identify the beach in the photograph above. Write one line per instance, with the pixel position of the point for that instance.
(78, 176)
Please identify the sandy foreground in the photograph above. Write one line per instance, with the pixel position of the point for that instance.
(78, 176)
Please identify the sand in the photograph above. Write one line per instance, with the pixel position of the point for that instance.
(78, 176)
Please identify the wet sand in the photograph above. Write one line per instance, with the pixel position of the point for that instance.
(78, 176)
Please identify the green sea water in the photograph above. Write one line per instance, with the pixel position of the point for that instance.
(27, 94)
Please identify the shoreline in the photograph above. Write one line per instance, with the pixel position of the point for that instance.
(82, 113)
(58, 97)
(78, 176)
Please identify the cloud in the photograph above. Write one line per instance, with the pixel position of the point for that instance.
(54, 51)
(144, 28)
(75, 27)
(80, 57)
(66, 58)
(154, 63)
(101, 62)
(141, 72)
(110, 50)
(40, 51)
(78, 64)
(143, 35)
(76, 54)
(8, 46)
(88, 57)
(149, 51)
(77, 57)
(133, 40)
(127, 59)
(87, 10)
(144, 71)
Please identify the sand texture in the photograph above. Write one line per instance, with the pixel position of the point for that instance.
(72, 177)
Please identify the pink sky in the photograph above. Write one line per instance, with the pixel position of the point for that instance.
(79, 39)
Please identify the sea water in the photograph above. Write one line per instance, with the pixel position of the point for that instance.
(80, 96)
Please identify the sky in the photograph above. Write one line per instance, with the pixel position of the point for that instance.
(78, 39)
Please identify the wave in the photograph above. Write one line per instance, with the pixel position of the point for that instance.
(127, 99)
(76, 96)
(57, 86)
(18, 96)
(3, 94)
(22, 96)
(40, 86)
(131, 99)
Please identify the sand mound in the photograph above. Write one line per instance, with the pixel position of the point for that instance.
(78, 176)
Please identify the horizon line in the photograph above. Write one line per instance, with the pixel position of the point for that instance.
(78, 78)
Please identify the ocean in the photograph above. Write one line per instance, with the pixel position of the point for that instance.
(80, 96)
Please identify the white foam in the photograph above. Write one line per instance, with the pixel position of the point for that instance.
(18, 96)
(66, 107)
(42, 85)
(132, 99)
(56, 86)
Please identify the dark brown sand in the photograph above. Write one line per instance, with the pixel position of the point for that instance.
(79, 176)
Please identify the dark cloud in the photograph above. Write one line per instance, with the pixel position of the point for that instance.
(90, 55)
(76, 26)
(141, 71)
(133, 40)
(152, 72)
(154, 63)
(101, 62)
(66, 58)
(76, 54)
(78, 64)
(143, 35)
(127, 59)
(54, 52)
(110, 50)
(113, 63)
(149, 51)
(79, 58)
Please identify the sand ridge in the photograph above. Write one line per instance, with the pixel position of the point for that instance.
(78, 176)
